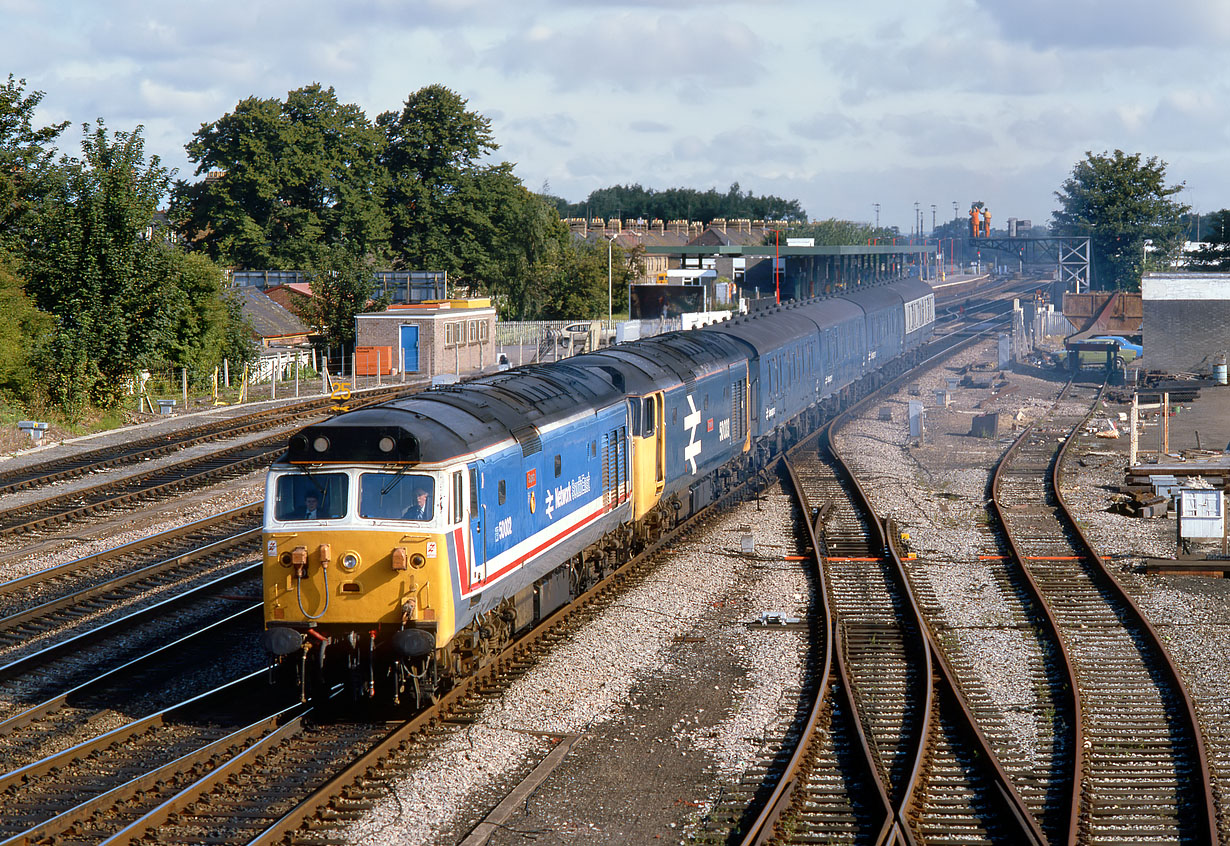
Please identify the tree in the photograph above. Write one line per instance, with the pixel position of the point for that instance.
(94, 266)
(1215, 252)
(431, 154)
(26, 160)
(1120, 201)
(834, 232)
(24, 327)
(621, 201)
(342, 286)
(285, 180)
(206, 326)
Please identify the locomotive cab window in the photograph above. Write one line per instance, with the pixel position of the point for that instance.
(559, 466)
(649, 418)
(397, 496)
(503, 494)
(319, 496)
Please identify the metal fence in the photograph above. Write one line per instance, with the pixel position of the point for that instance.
(534, 341)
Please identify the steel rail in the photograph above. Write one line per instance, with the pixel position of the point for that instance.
(150, 484)
(762, 829)
(894, 828)
(42, 656)
(207, 633)
(162, 773)
(1209, 831)
(124, 586)
(1070, 809)
(59, 468)
(1141, 641)
(139, 549)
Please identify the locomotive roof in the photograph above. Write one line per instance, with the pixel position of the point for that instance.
(653, 363)
(444, 423)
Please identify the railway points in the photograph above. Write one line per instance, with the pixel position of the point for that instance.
(1027, 740)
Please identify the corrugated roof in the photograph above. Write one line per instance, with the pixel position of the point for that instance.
(268, 318)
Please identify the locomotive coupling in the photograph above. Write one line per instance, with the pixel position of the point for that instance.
(413, 643)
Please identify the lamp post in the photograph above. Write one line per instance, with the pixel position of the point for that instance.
(610, 285)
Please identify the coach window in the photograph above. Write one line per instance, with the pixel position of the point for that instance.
(502, 492)
(559, 466)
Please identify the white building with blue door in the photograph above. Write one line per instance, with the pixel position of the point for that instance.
(431, 338)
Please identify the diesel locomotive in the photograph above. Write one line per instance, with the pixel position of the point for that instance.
(406, 543)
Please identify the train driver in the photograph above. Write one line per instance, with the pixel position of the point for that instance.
(311, 508)
(421, 508)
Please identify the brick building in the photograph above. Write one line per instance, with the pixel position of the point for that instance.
(1185, 320)
(427, 339)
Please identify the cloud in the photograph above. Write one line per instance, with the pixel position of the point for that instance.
(827, 127)
(1102, 24)
(635, 53)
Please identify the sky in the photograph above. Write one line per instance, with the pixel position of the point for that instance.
(840, 105)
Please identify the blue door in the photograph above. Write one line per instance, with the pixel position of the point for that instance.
(410, 348)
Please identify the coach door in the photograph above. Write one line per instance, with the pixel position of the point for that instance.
(476, 558)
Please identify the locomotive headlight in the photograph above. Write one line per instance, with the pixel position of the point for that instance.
(387, 444)
(350, 561)
(417, 560)
(321, 444)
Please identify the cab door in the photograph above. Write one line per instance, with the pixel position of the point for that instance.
(476, 557)
(648, 453)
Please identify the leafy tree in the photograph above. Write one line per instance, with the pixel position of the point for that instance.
(432, 151)
(23, 328)
(284, 180)
(1215, 254)
(26, 160)
(1119, 201)
(206, 325)
(682, 203)
(572, 281)
(342, 286)
(94, 267)
(834, 232)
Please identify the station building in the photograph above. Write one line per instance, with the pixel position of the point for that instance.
(427, 340)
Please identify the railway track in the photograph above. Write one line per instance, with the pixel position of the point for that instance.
(1138, 770)
(48, 669)
(60, 468)
(88, 790)
(163, 482)
(138, 571)
(934, 773)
